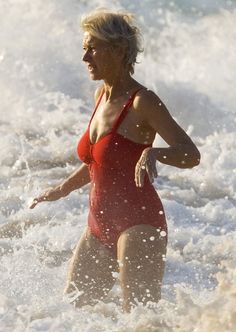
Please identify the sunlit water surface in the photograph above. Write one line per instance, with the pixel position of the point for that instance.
(46, 102)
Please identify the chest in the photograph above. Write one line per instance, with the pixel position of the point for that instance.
(115, 116)
(105, 116)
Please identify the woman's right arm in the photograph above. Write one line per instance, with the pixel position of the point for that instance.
(75, 181)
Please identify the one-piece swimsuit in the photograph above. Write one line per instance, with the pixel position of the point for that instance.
(115, 202)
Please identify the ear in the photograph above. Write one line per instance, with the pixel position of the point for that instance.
(119, 51)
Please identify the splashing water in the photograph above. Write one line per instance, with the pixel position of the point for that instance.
(46, 102)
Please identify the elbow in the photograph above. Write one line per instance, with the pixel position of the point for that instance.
(192, 159)
(196, 157)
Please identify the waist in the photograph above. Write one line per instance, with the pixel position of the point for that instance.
(110, 186)
(123, 196)
(110, 177)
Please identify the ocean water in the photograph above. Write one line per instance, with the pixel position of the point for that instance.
(46, 101)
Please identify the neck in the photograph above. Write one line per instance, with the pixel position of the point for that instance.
(118, 85)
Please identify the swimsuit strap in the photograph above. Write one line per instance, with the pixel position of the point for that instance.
(125, 110)
(97, 104)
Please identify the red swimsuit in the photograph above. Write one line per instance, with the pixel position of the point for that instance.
(116, 204)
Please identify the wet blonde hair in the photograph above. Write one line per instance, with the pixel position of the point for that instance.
(116, 28)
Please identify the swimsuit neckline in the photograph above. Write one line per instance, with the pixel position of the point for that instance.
(118, 134)
(116, 123)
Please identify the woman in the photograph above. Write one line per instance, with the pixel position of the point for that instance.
(126, 229)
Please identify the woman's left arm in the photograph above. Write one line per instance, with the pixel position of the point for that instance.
(181, 152)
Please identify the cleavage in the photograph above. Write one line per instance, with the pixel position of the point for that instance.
(104, 120)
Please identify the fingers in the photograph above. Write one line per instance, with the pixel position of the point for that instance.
(37, 200)
(140, 171)
(146, 163)
(34, 203)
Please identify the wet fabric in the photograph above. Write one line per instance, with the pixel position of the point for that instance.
(116, 204)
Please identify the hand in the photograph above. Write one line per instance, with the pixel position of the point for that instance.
(51, 194)
(146, 163)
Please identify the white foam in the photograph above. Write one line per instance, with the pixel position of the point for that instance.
(46, 102)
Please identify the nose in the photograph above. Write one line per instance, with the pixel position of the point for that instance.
(85, 56)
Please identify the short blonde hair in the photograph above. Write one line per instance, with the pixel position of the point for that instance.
(115, 28)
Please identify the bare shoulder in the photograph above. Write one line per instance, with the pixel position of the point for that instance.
(146, 102)
(98, 92)
(145, 93)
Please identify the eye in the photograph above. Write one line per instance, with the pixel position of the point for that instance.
(89, 49)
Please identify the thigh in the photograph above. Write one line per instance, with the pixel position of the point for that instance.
(91, 269)
(141, 254)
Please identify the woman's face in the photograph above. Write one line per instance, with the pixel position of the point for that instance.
(99, 57)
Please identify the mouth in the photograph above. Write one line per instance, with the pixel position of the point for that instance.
(91, 68)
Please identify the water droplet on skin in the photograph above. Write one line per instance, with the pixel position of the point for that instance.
(185, 154)
(183, 162)
(152, 238)
(143, 207)
(143, 167)
(160, 104)
(101, 212)
(163, 233)
(164, 157)
(144, 240)
(161, 212)
(137, 125)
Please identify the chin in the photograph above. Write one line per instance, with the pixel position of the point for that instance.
(95, 77)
